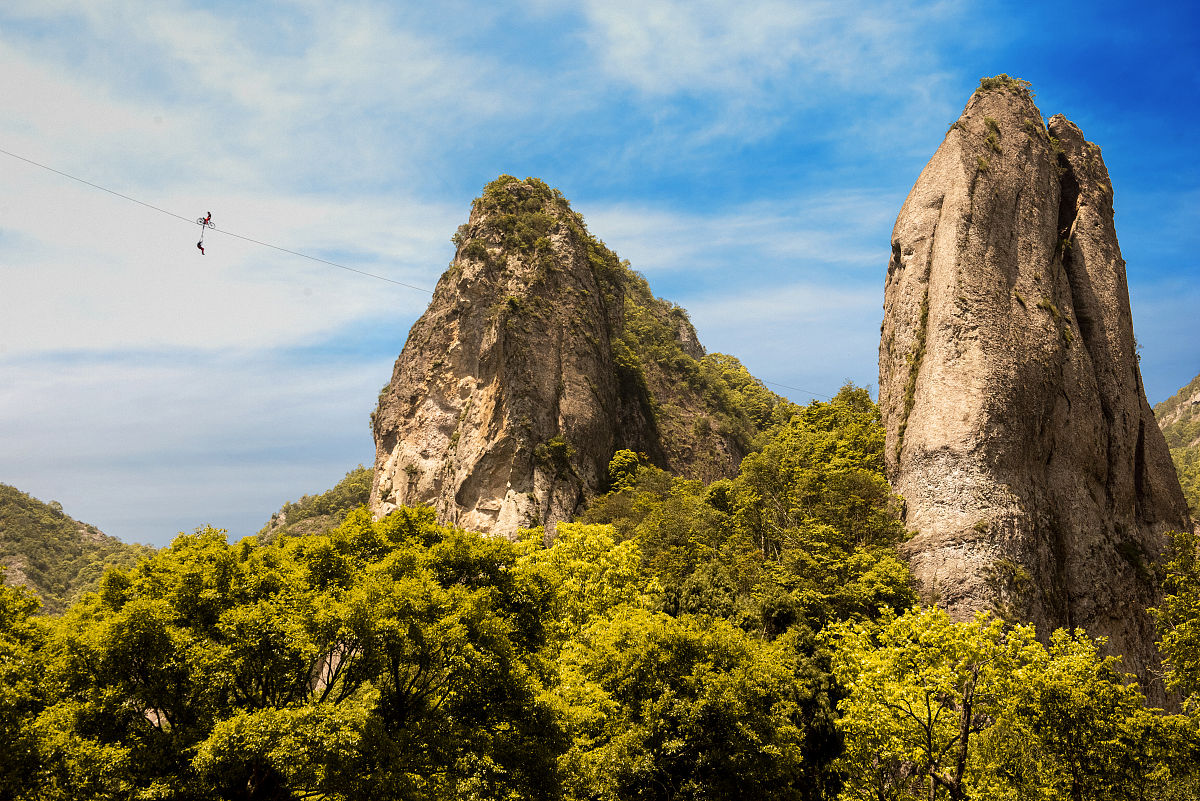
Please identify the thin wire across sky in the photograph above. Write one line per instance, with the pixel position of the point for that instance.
(282, 249)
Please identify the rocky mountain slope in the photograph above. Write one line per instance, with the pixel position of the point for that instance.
(1018, 430)
(53, 554)
(1179, 418)
(540, 355)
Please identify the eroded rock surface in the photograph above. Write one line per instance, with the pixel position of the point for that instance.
(540, 355)
(1018, 430)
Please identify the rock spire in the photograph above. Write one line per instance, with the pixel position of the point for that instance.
(1018, 431)
(540, 355)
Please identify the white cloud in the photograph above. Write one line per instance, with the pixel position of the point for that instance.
(667, 46)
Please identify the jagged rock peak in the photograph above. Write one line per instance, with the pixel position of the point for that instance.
(1018, 431)
(540, 355)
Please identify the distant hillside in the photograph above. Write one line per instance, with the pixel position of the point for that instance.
(1179, 419)
(316, 513)
(56, 556)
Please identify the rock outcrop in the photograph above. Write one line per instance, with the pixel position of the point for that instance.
(540, 355)
(1018, 431)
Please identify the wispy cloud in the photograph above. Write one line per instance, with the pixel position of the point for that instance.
(848, 229)
(76, 278)
(669, 46)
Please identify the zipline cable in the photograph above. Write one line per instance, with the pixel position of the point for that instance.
(288, 250)
(796, 389)
(227, 233)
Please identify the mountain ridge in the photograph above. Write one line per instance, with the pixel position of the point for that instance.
(53, 554)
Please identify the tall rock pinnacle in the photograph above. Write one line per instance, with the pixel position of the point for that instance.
(1018, 431)
(540, 355)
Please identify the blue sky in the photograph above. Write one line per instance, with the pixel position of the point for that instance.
(749, 158)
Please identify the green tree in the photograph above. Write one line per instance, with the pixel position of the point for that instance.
(824, 468)
(920, 691)
(590, 572)
(21, 689)
(389, 659)
(1178, 618)
(803, 536)
(667, 708)
(1076, 728)
(979, 710)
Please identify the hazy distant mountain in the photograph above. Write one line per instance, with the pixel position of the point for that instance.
(55, 555)
(1179, 418)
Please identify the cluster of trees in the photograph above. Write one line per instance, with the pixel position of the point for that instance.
(755, 637)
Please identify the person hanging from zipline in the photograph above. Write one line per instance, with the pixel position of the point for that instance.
(205, 222)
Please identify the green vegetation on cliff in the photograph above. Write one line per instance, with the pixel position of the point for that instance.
(707, 410)
(56, 556)
(1179, 418)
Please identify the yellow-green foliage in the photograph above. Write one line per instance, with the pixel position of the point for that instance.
(805, 532)
(993, 135)
(1048, 305)
(754, 637)
(389, 659)
(1045, 721)
(1178, 617)
(518, 210)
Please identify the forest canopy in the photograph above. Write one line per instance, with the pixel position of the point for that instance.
(755, 637)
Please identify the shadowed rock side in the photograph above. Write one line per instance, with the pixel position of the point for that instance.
(1018, 430)
(540, 355)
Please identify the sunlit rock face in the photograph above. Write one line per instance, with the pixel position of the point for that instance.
(1018, 431)
(517, 385)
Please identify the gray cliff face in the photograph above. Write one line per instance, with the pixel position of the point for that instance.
(518, 383)
(1018, 431)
